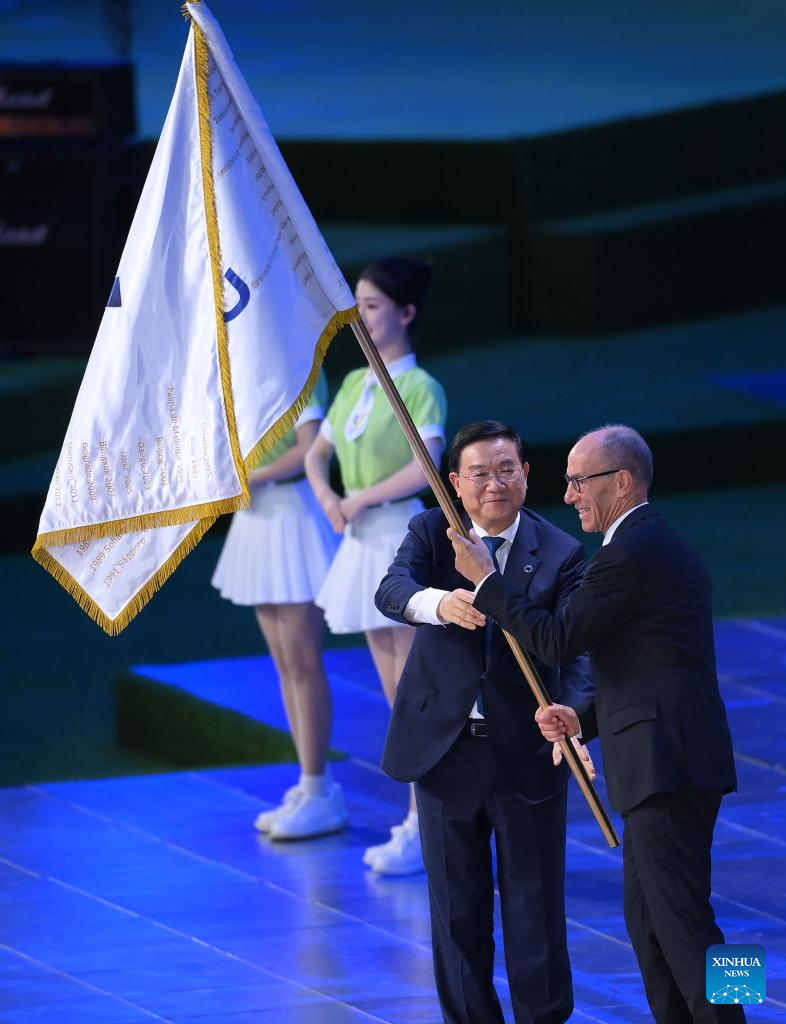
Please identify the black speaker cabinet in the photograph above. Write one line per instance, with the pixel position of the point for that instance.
(66, 101)
(65, 211)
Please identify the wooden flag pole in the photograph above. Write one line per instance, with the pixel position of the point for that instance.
(437, 485)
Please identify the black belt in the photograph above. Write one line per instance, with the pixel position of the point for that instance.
(475, 727)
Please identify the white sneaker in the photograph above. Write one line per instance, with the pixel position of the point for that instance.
(371, 851)
(264, 821)
(370, 856)
(311, 816)
(401, 855)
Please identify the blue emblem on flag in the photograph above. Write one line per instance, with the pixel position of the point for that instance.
(243, 291)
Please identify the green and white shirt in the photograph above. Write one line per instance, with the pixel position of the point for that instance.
(361, 425)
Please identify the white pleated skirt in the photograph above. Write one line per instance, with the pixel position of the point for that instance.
(368, 547)
(279, 550)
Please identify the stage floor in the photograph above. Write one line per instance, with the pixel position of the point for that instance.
(153, 899)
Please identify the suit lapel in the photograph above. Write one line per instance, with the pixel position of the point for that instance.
(523, 562)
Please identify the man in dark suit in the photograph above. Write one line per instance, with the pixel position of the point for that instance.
(644, 613)
(463, 729)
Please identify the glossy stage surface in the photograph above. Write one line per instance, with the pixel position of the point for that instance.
(153, 899)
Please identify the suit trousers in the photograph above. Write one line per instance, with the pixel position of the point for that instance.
(671, 923)
(461, 801)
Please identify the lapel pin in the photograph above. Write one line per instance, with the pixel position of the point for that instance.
(528, 568)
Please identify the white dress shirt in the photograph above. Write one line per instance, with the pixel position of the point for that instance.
(610, 532)
(422, 606)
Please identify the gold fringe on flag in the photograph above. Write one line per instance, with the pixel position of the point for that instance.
(214, 243)
(202, 515)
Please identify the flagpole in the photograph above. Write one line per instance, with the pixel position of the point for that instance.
(442, 495)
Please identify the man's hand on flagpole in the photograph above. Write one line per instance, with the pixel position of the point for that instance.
(557, 722)
(473, 560)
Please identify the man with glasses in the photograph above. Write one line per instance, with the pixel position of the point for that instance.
(644, 614)
(463, 729)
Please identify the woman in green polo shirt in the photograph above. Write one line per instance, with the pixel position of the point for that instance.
(381, 479)
(275, 558)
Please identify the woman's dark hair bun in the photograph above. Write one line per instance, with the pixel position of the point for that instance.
(406, 282)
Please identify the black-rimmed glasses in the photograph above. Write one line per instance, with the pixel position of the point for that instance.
(481, 477)
(577, 481)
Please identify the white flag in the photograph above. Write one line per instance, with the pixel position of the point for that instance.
(225, 301)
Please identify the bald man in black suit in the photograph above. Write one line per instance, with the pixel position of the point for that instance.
(644, 613)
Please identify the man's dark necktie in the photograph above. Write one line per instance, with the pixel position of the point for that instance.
(493, 544)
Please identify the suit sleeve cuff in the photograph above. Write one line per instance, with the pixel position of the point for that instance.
(422, 607)
(479, 585)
